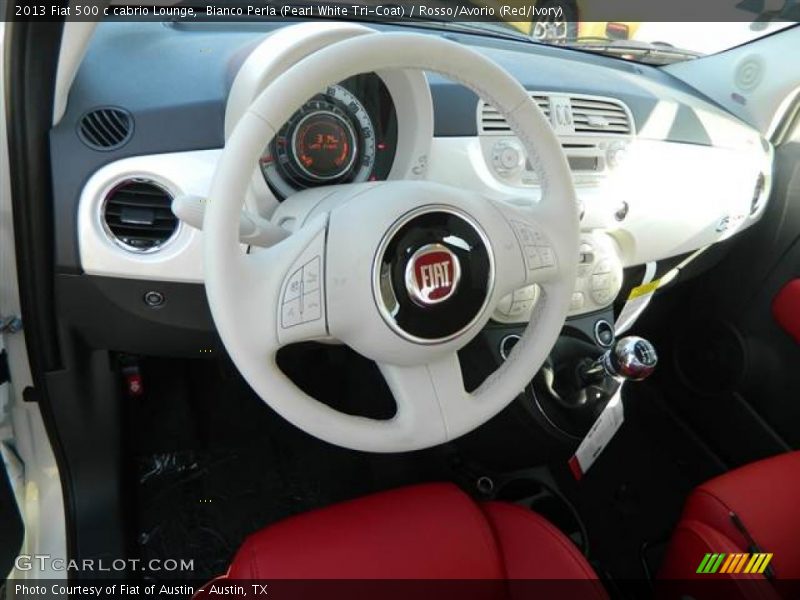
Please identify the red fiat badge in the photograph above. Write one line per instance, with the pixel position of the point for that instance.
(432, 274)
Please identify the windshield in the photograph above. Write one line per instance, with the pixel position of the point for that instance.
(657, 43)
(555, 22)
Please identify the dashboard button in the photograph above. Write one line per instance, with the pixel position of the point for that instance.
(601, 282)
(508, 158)
(604, 266)
(603, 296)
(520, 308)
(290, 313)
(154, 299)
(504, 306)
(526, 293)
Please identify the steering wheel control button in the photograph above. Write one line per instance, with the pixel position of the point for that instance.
(311, 275)
(547, 256)
(434, 273)
(528, 235)
(301, 298)
(311, 307)
(538, 253)
(291, 313)
(295, 287)
(301, 312)
(532, 257)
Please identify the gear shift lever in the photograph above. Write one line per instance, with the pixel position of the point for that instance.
(631, 358)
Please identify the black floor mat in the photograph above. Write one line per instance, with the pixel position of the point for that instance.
(213, 464)
(631, 498)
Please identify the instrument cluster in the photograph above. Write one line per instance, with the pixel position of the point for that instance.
(345, 134)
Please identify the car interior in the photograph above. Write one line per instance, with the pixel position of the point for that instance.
(326, 299)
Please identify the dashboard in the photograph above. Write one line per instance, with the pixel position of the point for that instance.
(659, 170)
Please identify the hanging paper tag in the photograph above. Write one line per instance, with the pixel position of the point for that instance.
(598, 437)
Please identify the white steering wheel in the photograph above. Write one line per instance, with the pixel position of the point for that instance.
(404, 272)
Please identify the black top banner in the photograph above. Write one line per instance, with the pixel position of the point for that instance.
(499, 11)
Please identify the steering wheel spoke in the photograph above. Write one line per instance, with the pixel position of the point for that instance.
(423, 394)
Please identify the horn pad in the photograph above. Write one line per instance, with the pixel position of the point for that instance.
(433, 275)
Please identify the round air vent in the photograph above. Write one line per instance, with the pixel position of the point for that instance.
(106, 128)
(137, 214)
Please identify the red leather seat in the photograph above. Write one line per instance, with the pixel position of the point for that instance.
(755, 504)
(432, 531)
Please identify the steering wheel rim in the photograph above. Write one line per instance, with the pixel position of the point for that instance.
(240, 286)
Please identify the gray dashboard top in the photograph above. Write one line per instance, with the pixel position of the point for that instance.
(174, 78)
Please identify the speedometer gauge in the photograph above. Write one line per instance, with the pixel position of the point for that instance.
(331, 139)
(324, 145)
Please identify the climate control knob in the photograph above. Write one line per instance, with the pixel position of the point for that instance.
(507, 158)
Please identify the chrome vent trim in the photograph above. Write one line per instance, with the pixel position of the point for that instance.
(588, 115)
(137, 215)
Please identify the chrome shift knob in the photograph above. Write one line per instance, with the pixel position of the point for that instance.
(631, 358)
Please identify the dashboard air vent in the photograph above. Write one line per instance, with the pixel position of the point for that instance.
(599, 116)
(106, 128)
(491, 122)
(138, 215)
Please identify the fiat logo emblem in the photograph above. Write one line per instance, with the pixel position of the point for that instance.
(432, 275)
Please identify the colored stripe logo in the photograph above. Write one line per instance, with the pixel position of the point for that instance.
(734, 563)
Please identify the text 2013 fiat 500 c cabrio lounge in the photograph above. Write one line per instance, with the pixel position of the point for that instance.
(358, 308)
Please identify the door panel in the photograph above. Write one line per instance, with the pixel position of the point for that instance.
(11, 527)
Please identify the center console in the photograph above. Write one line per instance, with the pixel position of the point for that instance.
(551, 416)
(598, 283)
